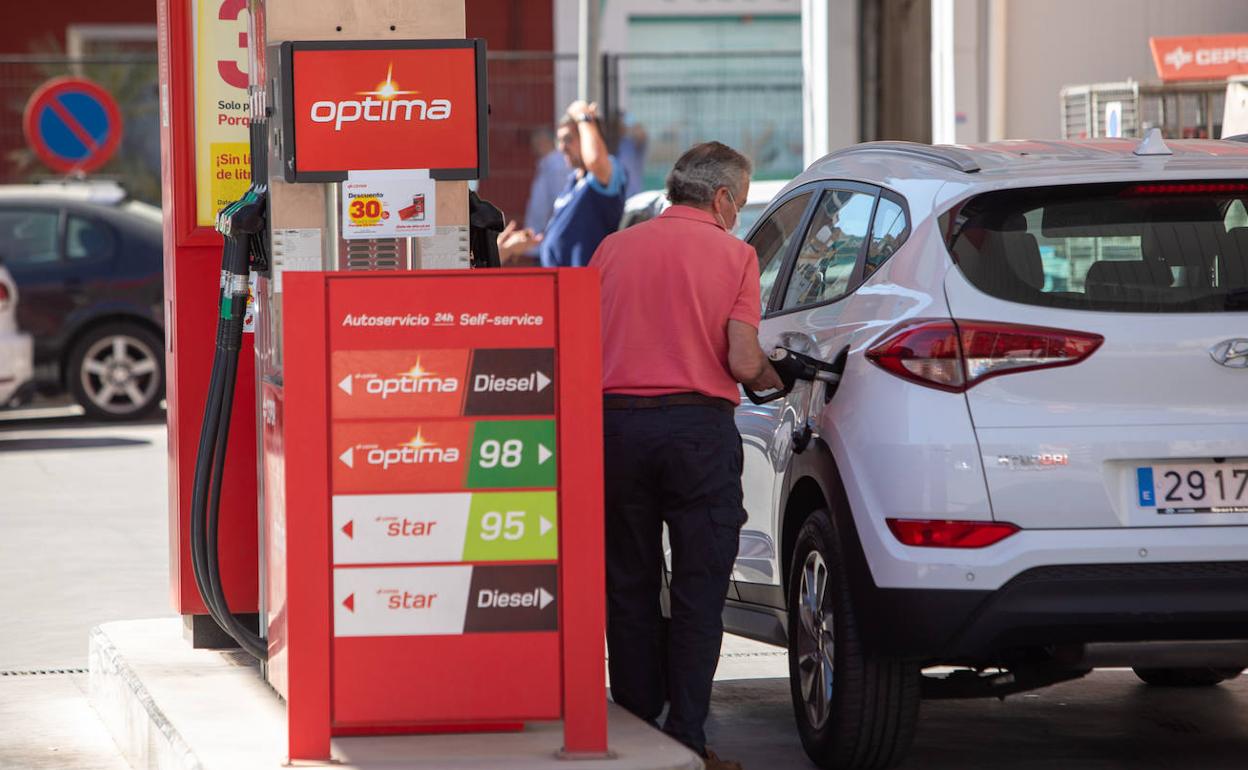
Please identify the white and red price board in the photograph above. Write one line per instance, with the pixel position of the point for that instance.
(453, 460)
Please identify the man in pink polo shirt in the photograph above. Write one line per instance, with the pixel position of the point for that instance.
(681, 305)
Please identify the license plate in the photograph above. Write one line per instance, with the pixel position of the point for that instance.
(1201, 487)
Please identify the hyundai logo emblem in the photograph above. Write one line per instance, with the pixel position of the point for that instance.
(1232, 353)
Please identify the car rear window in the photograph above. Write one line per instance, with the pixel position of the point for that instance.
(1153, 247)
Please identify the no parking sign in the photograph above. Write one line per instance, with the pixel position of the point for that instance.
(72, 124)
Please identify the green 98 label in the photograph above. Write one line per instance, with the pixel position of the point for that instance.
(513, 453)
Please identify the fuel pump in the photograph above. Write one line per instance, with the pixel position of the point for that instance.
(244, 226)
(332, 202)
(427, 461)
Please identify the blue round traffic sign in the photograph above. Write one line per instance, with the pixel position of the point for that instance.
(72, 124)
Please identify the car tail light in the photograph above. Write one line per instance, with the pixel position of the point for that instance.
(6, 296)
(933, 533)
(956, 355)
(1185, 188)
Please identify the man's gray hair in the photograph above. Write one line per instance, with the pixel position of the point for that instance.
(703, 169)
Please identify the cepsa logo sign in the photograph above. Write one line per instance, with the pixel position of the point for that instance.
(398, 383)
(379, 457)
(364, 109)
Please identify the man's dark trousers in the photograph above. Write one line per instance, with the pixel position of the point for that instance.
(680, 465)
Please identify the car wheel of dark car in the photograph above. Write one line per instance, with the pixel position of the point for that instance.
(854, 709)
(1186, 677)
(117, 371)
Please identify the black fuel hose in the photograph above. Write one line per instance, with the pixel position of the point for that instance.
(241, 222)
(199, 489)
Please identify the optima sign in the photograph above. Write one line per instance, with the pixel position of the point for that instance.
(378, 105)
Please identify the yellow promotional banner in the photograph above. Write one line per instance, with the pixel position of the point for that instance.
(222, 149)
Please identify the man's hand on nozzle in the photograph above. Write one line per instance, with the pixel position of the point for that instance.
(767, 380)
(790, 367)
(747, 361)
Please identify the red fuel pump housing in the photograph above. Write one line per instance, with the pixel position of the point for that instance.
(437, 560)
(192, 278)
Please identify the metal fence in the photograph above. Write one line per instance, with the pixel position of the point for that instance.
(525, 89)
(661, 102)
(130, 78)
(750, 100)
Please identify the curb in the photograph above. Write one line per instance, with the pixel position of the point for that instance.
(145, 736)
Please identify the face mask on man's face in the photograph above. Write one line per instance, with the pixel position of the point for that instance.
(720, 219)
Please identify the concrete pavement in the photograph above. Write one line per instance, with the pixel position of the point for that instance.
(47, 723)
(1109, 720)
(82, 509)
(82, 512)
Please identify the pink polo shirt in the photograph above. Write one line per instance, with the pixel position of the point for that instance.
(669, 287)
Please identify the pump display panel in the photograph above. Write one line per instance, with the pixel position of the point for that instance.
(379, 105)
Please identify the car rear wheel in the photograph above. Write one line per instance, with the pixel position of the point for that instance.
(854, 709)
(1186, 677)
(117, 372)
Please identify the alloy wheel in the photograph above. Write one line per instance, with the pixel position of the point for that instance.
(120, 374)
(815, 643)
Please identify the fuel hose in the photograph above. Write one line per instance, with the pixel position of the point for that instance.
(240, 222)
(243, 224)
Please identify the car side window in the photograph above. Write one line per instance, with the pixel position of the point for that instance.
(771, 240)
(825, 263)
(89, 239)
(888, 232)
(29, 237)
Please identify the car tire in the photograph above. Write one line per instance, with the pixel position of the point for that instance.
(854, 709)
(117, 371)
(1186, 677)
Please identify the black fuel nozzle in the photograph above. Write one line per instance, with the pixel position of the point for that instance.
(792, 366)
(242, 223)
(246, 216)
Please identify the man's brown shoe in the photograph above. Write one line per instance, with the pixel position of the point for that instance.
(713, 762)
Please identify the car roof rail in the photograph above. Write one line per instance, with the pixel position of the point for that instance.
(940, 154)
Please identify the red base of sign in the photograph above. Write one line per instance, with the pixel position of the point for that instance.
(447, 729)
(436, 679)
(475, 603)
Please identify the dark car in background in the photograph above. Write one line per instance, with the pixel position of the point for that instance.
(88, 264)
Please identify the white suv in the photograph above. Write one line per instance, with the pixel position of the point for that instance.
(1036, 460)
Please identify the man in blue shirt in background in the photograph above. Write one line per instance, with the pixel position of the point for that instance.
(591, 203)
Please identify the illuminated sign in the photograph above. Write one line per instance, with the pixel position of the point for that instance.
(372, 106)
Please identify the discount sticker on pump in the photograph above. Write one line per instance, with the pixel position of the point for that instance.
(388, 204)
